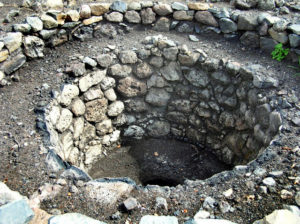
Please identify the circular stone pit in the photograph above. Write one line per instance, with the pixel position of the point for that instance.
(163, 90)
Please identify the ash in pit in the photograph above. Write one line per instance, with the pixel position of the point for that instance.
(164, 162)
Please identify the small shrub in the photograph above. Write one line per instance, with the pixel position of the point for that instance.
(279, 52)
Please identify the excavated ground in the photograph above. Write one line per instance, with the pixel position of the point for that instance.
(22, 154)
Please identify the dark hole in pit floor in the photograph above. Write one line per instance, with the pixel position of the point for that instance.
(164, 162)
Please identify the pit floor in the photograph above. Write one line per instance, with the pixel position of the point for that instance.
(165, 162)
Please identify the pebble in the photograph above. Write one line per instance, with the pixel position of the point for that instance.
(161, 203)
(193, 38)
(130, 203)
(269, 181)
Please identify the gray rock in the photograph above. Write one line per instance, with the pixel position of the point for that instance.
(170, 53)
(107, 83)
(209, 203)
(110, 94)
(74, 173)
(13, 64)
(78, 107)
(297, 198)
(185, 27)
(266, 4)
(206, 18)
(148, 16)
(23, 28)
(115, 17)
(134, 131)
(143, 70)
(179, 6)
(188, 59)
(89, 61)
(115, 108)
(294, 40)
(281, 37)
(177, 117)
(92, 94)
(136, 105)
(269, 181)
(278, 215)
(227, 25)
(158, 219)
(65, 120)
(130, 203)
(262, 113)
(184, 15)
(104, 60)
(261, 80)
(78, 127)
(134, 6)
(162, 24)
(12, 41)
(159, 129)
(280, 25)
(295, 28)
(35, 23)
(119, 6)
(68, 93)
(245, 4)
(54, 162)
(171, 72)
(91, 79)
(162, 9)
(96, 110)
(267, 44)
(130, 87)
(296, 121)
(85, 11)
(143, 53)
(197, 78)
(74, 218)
(104, 127)
(132, 17)
(157, 97)
(221, 77)
(120, 71)
(33, 47)
(250, 39)
(193, 38)
(49, 22)
(275, 121)
(8, 212)
(247, 22)
(7, 195)
(202, 214)
(157, 61)
(47, 34)
(128, 57)
(161, 203)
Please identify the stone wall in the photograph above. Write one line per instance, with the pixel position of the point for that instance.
(52, 28)
(163, 90)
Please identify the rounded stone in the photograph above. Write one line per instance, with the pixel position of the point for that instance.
(78, 107)
(115, 108)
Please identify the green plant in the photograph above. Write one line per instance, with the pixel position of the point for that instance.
(279, 52)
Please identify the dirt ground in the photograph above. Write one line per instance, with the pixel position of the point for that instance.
(22, 153)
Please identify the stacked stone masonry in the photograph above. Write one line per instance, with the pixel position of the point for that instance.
(163, 90)
(52, 28)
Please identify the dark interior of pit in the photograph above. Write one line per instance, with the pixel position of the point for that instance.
(164, 162)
